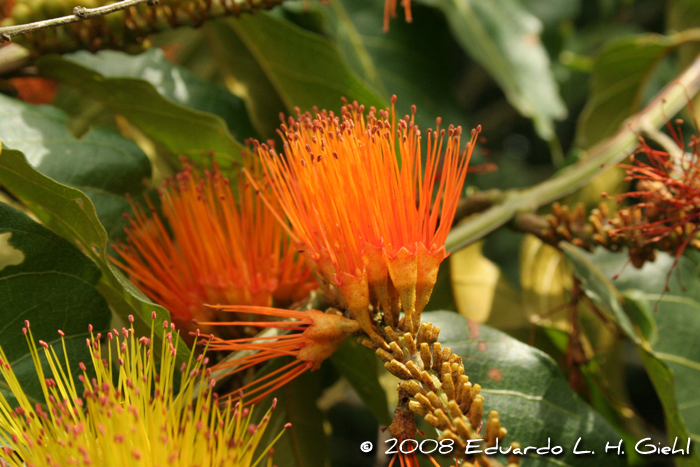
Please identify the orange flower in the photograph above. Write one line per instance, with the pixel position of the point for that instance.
(322, 334)
(34, 89)
(220, 251)
(368, 213)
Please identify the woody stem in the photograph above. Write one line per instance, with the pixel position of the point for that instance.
(79, 14)
(595, 161)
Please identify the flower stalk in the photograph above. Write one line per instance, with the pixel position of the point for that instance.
(438, 389)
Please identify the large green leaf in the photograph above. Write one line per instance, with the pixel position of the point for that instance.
(682, 15)
(102, 164)
(505, 39)
(179, 129)
(359, 366)
(70, 213)
(532, 397)
(49, 282)
(282, 66)
(304, 444)
(401, 61)
(553, 13)
(666, 339)
(620, 75)
(173, 82)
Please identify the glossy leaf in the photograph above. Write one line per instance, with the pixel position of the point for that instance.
(180, 130)
(667, 344)
(505, 39)
(175, 83)
(49, 282)
(552, 13)
(680, 16)
(281, 64)
(416, 61)
(532, 397)
(102, 164)
(305, 442)
(357, 363)
(70, 213)
(620, 75)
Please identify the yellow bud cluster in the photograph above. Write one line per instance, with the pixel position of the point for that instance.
(439, 390)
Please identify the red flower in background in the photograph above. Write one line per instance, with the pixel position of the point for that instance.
(666, 211)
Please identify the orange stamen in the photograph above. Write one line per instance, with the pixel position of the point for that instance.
(322, 333)
(362, 207)
(223, 248)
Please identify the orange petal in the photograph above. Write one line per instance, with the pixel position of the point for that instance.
(428, 264)
(356, 292)
(404, 274)
(325, 335)
(377, 277)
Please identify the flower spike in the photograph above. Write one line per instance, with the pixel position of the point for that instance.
(131, 413)
(224, 248)
(369, 214)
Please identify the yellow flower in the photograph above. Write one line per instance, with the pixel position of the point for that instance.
(129, 414)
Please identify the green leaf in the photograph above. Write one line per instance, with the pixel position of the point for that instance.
(527, 389)
(505, 39)
(102, 164)
(359, 366)
(175, 83)
(401, 61)
(180, 130)
(49, 282)
(304, 444)
(620, 76)
(666, 339)
(283, 66)
(70, 213)
(553, 13)
(682, 15)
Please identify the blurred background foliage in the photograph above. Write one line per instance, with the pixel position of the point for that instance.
(546, 79)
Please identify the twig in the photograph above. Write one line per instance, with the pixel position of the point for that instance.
(80, 13)
(598, 159)
(529, 222)
(477, 202)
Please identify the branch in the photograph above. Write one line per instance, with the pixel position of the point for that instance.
(477, 202)
(136, 27)
(80, 13)
(598, 159)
